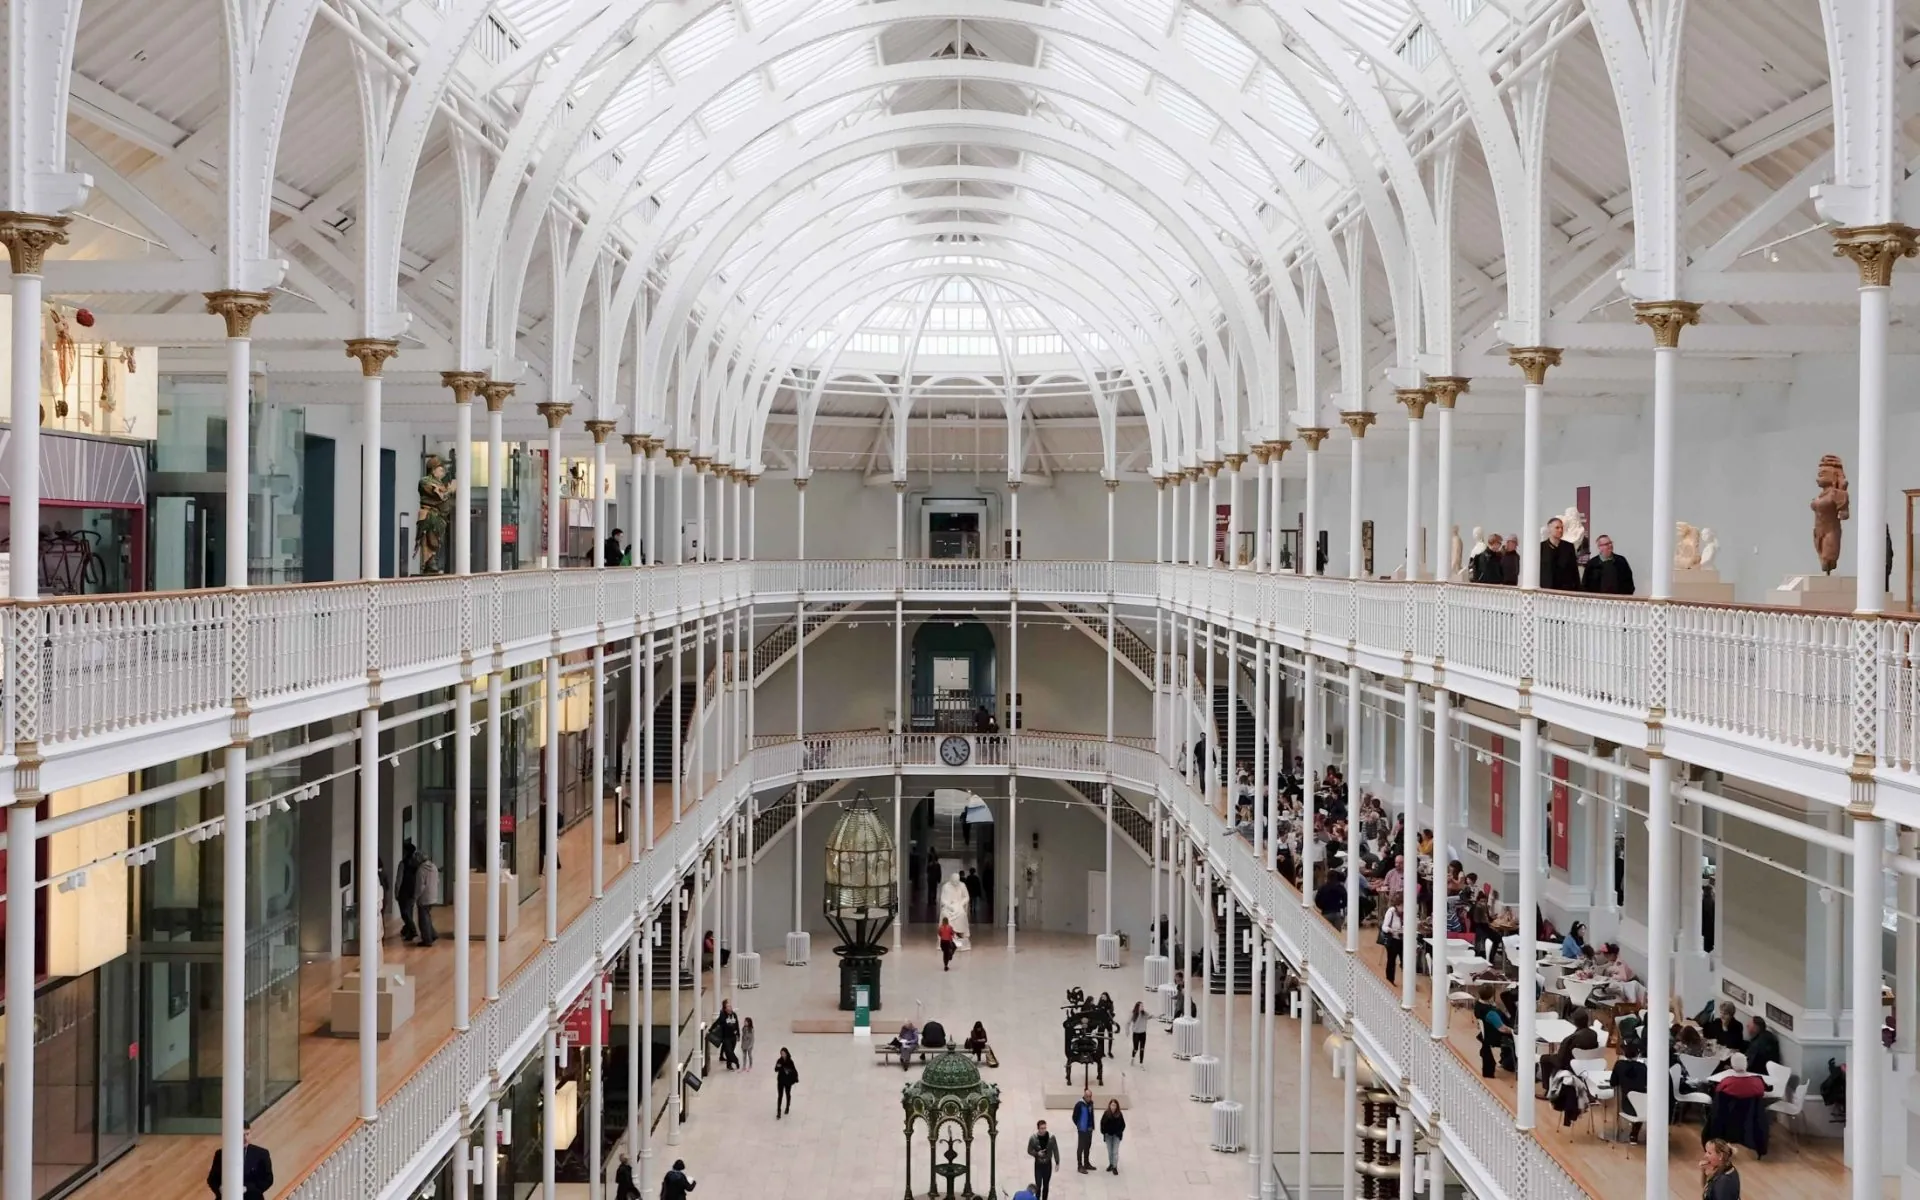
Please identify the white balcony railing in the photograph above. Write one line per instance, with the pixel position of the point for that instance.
(1817, 687)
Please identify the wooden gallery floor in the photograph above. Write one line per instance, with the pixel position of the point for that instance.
(1617, 1170)
(320, 1111)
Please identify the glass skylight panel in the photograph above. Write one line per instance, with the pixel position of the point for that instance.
(1382, 19)
(804, 65)
(671, 157)
(1211, 42)
(530, 18)
(630, 100)
(1150, 16)
(1098, 64)
(1189, 112)
(1095, 121)
(700, 43)
(731, 104)
(1247, 163)
(1099, 11)
(1283, 102)
(1162, 158)
(756, 152)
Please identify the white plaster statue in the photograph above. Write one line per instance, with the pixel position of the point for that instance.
(1572, 527)
(1456, 553)
(1709, 546)
(1686, 546)
(953, 904)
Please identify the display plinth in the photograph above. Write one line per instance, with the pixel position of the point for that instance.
(859, 971)
(749, 965)
(1159, 970)
(393, 1006)
(1186, 1037)
(799, 947)
(1823, 593)
(1206, 1078)
(1107, 947)
(1701, 585)
(477, 905)
(1227, 1119)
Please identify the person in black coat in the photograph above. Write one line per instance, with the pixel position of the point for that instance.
(1485, 566)
(1510, 562)
(676, 1185)
(611, 551)
(1763, 1046)
(1559, 561)
(256, 1168)
(1630, 1075)
(785, 1075)
(623, 1185)
(1607, 573)
(406, 880)
(1724, 1029)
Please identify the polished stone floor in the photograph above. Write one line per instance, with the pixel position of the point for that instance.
(844, 1137)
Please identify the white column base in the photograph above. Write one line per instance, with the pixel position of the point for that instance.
(748, 965)
(1107, 946)
(1012, 931)
(673, 1116)
(799, 947)
(1205, 1078)
(1227, 1120)
(1186, 1037)
(1169, 997)
(1159, 971)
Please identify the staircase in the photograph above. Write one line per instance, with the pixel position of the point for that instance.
(1234, 961)
(1138, 826)
(663, 732)
(1243, 745)
(1091, 619)
(773, 650)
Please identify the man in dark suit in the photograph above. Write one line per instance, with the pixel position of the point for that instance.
(1763, 1046)
(1607, 573)
(256, 1168)
(1559, 561)
(1510, 562)
(612, 551)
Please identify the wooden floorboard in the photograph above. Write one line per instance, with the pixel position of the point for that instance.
(320, 1112)
(1611, 1170)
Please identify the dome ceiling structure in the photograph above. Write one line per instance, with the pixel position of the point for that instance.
(935, 234)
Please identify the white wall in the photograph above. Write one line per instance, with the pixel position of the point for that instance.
(1065, 517)
(1062, 679)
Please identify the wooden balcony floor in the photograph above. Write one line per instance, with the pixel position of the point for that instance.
(320, 1111)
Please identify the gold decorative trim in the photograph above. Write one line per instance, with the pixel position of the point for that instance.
(554, 411)
(373, 354)
(1113, 485)
(239, 309)
(1533, 361)
(1873, 248)
(677, 457)
(636, 443)
(1280, 448)
(1313, 435)
(28, 237)
(1234, 461)
(497, 392)
(1666, 318)
(1262, 451)
(799, 483)
(1448, 388)
(601, 431)
(1357, 421)
(1211, 467)
(700, 464)
(1416, 401)
(465, 384)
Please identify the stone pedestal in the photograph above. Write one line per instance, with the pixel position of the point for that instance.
(1824, 593)
(1206, 1078)
(1228, 1118)
(477, 905)
(1701, 585)
(1159, 970)
(394, 1003)
(1186, 1037)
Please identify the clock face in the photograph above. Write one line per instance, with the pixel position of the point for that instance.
(955, 751)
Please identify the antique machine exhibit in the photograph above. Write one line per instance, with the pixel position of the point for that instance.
(863, 898)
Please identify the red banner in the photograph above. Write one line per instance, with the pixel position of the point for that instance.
(576, 1024)
(1498, 787)
(1222, 518)
(1559, 814)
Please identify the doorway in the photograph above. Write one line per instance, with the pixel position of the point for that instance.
(1096, 901)
(187, 530)
(953, 528)
(316, 510)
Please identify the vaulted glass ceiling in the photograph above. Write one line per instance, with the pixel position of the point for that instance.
(1122, 174)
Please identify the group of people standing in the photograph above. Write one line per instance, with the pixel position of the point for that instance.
(1561, 569)
(1044, 1149)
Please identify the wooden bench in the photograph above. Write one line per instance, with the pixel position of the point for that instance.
(884, 1052)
